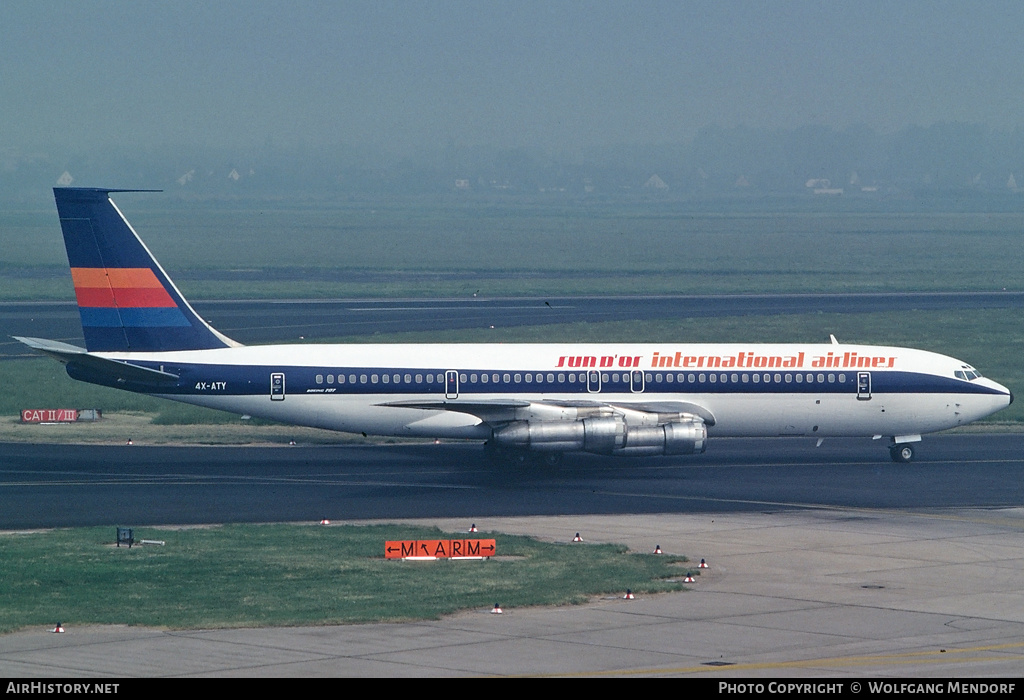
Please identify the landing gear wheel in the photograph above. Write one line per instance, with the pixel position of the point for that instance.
(506, 456)
(903, 453)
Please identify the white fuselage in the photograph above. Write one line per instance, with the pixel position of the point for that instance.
(736, 389)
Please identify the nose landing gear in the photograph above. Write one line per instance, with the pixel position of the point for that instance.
(902, 453)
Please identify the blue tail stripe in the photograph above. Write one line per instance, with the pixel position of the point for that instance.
(132, 318)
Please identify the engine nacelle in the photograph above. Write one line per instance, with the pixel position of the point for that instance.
(602, 435)
(609, 435)
(679, 438)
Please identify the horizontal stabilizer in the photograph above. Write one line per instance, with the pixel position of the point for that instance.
(113, 369)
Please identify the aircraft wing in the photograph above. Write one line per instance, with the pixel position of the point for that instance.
(503, 411)
(113, 369)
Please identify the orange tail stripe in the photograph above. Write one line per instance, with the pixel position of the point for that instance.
(133, 277)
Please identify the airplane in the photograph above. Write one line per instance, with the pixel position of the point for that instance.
(525, 401)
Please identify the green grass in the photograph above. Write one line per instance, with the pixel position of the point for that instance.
(268, 575)
(393, 249)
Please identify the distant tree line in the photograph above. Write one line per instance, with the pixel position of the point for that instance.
(718, 161)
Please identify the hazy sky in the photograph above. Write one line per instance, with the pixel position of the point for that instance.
(561, 76)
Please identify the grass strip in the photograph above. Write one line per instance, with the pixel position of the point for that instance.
(282, 574)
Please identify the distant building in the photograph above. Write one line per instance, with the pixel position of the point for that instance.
(655, 183)
(65, 179)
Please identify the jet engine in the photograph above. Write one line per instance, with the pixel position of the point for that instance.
(609, 435)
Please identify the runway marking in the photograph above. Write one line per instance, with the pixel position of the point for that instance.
(473, 307)
(840, 508)
(936, 656)
(219, 480)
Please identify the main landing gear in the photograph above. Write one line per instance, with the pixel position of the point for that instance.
(514, 457)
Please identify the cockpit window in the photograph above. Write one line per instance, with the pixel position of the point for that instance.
(968, 373)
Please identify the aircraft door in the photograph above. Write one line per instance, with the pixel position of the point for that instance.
(636, 381)
(451, 384)
(277, 386)
(863, 386)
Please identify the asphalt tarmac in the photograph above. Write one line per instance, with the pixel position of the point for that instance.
(56, 486)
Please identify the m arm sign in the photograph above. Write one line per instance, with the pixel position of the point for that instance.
(439, 549)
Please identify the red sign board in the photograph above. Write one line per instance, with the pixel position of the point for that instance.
(49, 415)
(438, 549)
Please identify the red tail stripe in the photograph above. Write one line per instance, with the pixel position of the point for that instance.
(134, 287)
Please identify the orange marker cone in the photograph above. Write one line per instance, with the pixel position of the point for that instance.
(657, 549)
(629, 595)
(325, 521)
(472, 528)
(577, 538)
(59, 629)
(497, 609)
(703, 564)
(688, 579)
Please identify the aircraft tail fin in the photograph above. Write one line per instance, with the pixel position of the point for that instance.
(126, 300)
